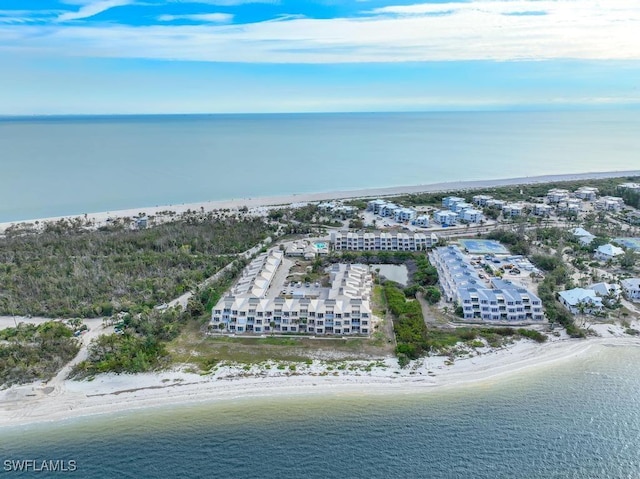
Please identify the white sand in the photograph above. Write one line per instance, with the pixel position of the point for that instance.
(110, 393)
(100, 218)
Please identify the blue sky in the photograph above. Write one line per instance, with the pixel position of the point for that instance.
(208, 56)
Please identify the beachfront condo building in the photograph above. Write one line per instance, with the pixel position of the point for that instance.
(502, 300)
(256, 305)
(382, 241)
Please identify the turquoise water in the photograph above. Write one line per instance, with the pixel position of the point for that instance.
(576, 419)
(321, 245)
(56, 166)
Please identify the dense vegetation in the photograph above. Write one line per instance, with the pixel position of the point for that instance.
(67, 271)
(556, 275)
(414, 339)
(29, 353)
(142, 344)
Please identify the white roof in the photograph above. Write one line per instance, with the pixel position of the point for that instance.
(631, 283)
(574, 296)
(610, 250)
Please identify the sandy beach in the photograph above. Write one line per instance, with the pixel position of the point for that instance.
(101, 218)
(62, 399)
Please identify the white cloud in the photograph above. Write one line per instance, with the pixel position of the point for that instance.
(90, 9)
(476, 30)
(199, 17)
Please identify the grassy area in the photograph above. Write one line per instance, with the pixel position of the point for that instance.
(191, 347)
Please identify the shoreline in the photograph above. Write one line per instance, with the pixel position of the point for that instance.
(265, 201)
(107, 394)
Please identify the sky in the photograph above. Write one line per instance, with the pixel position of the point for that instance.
(242, 56)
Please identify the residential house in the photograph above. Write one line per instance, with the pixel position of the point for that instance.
(445, 218)
(608, 252)
(542, 209)
(481, 200)
(556, 195)
(404, 214)
(583, 236)
(472, 215)
(572, 206)
(631, 288)
(496, 203)
(422, 221)
(513, 209)
(630, 186)
(608, 291)
(450, 201)
(588, 193)
(375, 205)
(389, 210)
(581, 301)
(609, 203)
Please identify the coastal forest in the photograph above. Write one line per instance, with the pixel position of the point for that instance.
(71, 271)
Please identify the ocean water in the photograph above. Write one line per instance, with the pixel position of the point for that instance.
(59, 166)
(575, 419)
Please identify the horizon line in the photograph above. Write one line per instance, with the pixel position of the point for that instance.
(513, 109)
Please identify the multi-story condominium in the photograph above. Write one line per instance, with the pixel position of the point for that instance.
(541, 209)
(556, 195)
(631, 288)
(481, 200)
(404, 214)
(382, 241)
(472, 215)
(513, 209)
(450, 201)
(422, 220)
(589, 193)
(445, 218)
(343, 309)
(609, 203)
(505, 301)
